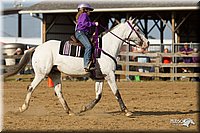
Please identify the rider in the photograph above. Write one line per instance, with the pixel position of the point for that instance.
(82, 32)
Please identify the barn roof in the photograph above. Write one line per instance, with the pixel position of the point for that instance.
(11, 11)
(68, 6)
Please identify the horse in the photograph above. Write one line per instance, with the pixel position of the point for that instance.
(46, 61)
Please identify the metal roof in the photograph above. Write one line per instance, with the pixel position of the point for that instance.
(61, 6)
(11, 11)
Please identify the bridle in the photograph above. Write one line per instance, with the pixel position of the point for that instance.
(127, 40)
(133, 29)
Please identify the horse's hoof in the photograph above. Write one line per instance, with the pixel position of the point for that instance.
(21, 110)
(83, 109)
(71, 113)
(129, 114)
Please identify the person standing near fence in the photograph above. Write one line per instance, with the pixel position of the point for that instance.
(17, 60)
(196, 69)
(186, 50)
(18, 52)
(166, 60)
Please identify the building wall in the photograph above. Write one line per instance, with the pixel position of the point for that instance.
(189, 30)
(59, 26)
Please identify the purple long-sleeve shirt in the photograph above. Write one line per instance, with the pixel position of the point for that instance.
(84, 23)
(187, 59)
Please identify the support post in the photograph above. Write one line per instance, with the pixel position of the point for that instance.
(19, 25)
(44, 23)
(146, 27)
(173, 41)
(161, 36)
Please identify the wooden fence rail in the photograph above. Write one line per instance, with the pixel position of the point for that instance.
(156, 63)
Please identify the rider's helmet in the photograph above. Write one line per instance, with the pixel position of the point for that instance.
(85, 5)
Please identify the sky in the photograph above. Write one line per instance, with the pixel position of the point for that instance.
(31, 27)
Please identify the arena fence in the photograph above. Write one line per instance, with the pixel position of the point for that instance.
(156, 65)
(129, 67)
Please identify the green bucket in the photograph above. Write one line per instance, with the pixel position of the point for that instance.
(137, 78)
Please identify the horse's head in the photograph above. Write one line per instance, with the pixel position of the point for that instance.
(133, 34)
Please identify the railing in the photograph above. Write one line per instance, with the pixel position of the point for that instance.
(156, 63)
(14, 57)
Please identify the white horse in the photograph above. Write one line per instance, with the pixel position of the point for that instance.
(46, 61)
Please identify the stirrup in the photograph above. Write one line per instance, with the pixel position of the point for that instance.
(89, 67)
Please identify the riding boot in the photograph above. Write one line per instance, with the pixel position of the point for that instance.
(97, 74)
(90, 66)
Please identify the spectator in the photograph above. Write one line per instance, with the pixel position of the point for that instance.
(195, 59)
(18, 52)
(3, 61)
(196, 69)
(28, 69)
(144, 59)
(186, 50)
(166, 60)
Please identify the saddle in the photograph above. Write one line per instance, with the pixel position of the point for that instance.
(74, 41)
(75, 48)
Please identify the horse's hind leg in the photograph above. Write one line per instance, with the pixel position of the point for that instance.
(98, 90)
(55, 75)
(112, 83)
(37, 79)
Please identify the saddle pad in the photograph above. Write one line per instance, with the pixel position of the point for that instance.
(71, 50)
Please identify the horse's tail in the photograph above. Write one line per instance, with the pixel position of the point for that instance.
(23, 62)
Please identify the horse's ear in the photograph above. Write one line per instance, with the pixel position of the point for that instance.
(131, 20)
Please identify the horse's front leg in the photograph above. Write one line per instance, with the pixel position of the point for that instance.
(98, 90)
(112, 83)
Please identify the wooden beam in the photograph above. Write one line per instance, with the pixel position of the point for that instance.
(182, 21)
(161, 33)
(146, 27)
(164, 21)
(52, 23)
(155, 21)
(154, 74)
(19, 25)
(173, 30)
(44, 24)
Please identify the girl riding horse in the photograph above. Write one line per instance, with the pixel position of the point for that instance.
(82, 32)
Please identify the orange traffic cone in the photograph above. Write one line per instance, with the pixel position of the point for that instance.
(50, 82)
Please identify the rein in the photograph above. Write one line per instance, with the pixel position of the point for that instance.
(135, 31)
(97, 49)
(107, 30)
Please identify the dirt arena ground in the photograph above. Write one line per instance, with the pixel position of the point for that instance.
(157, 106)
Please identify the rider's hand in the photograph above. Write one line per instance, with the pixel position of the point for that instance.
(96, 23)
